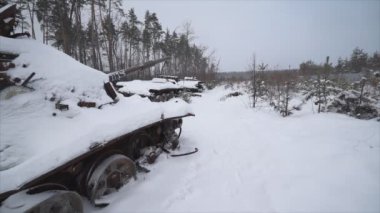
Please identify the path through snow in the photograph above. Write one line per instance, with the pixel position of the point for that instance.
(255, 160)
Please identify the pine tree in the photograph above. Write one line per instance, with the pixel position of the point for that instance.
(374, 61)
(147, 35)
(358, 59)
(131, 36)
(340, 65)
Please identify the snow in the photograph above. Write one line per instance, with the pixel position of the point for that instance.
(60, 74)
(7, 20)
(34, 141)
(142, 87)
(254, 160)
(2, 9)
(190, 79)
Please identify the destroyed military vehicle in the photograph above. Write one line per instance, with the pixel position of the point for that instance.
(159, 89)
(191, 84)
(67, 134)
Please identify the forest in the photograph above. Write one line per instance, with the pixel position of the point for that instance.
(105, 36)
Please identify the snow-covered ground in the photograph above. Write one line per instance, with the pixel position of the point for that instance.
(254, 160)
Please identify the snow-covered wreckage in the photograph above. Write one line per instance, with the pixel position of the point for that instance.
(192, 84)
(157, 89)
(62, 136)
(161, 88)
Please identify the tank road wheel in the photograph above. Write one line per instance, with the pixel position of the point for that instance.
(51, 201)
(62, 202)
(109, 176)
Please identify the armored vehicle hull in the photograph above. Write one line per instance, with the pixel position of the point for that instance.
(66, 135)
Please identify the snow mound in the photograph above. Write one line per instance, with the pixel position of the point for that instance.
(56, 72)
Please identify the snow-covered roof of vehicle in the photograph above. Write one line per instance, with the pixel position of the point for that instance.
(33, 141)
(190, 84)
(142, 87)
(4, 8)
(190, 79)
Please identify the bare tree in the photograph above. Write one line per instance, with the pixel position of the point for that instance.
(285, 111)
(254, 81)
(363, 82)
(31, 9)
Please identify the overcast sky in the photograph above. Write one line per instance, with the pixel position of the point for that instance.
(280, 33)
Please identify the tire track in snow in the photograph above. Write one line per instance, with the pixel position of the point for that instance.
(215, 132)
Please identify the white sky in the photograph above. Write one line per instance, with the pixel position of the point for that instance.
(280, 33)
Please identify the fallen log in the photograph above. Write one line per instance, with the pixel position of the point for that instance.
(28, 79)
(86, 104)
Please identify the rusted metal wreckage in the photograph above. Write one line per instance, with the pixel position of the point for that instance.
(8, 21)
(101, 169)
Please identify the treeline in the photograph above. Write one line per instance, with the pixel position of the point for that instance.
(359, 61)
(101, 34)
(329, 91)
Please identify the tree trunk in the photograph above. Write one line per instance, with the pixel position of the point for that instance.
(254, 83)
(93, 37)
(98, 40)
(31, 15)
(110, 39)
